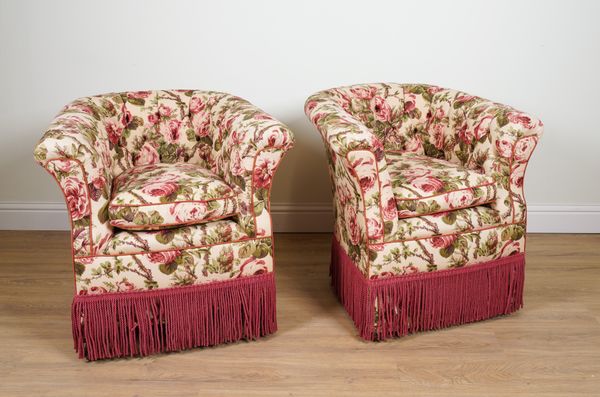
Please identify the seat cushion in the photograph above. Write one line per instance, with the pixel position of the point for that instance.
(185, 237)
(158, 196)
(424, 185)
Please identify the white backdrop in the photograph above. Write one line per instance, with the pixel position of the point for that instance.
(539, 56)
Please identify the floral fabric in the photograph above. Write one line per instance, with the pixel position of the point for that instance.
(173, 268)
(95, 139)
(157, 196)
(210, 233)
(448, 222)
(446, 251)
(364, 125)
(424, 185)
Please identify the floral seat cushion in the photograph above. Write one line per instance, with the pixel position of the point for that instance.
(159, 196)
(424, 185)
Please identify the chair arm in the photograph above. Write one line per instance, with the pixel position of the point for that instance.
(504, 151)
(354, 146)
(74, 153)
(253, 145)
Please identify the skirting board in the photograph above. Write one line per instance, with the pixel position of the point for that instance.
(309, 218)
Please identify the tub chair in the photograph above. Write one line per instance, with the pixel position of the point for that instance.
(430, 216)
(171, 236)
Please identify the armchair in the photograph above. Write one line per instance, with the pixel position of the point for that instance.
(168, 198)
(430, 215)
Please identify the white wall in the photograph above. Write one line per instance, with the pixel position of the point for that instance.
(539, 56)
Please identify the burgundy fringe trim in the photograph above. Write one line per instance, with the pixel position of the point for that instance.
(401, 305)
(147, 322)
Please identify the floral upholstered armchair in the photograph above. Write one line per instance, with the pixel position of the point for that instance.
(168, 196)
(429, 205)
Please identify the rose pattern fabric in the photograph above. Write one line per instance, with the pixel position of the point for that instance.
(370, 130)
(147, 270)
(93, 140)
(157, 196)
(447, 222)
(423, 185)
(210, 233)
(446, 251)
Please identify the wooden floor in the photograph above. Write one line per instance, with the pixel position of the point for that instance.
(550, 348)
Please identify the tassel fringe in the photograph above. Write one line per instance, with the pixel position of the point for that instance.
(147, 322)
(397, 306)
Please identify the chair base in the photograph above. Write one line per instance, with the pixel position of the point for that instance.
(400, 305)
(147, 322)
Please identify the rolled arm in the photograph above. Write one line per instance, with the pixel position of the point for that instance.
(71, 151)
(253, 145)
(354, 147)
(504, 152)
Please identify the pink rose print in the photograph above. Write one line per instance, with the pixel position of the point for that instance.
(172, 135)
(310, 105)
(520, 118)
(504, 147)
(464, 98)
(163, 257)
(443, 241)
(98, 290)
(415, 172)
(523, 148)
(364, 93)
(344, 194)
(510, 248)
(164, 111)
(139, 94)
(76, 197)
(465, 134)
(374, 228)
(428, 184)
(367, 182)
(124, 285)
(390, 211)
(196, 105)
(438, 136)
(225, 231)
(63, 165)
(377, 247)
(381, 109)
(147, 155)
(263, 172)
(409, 104)
(160, 189)
(483, 127)
(126, 116)
(202, 129)
(187, 212)
(517, 176)
(153, 118)
(439, 114)
(263, 116)
(275, 138)
(99, 182)
(414, 145)
(236, 163)
(114, 131)
(434, 89)
(460, 198)
(238, 137)
(352, 224)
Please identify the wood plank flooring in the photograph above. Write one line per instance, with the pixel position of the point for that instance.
(550, 348)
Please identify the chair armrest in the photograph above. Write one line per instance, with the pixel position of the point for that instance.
(254, 144)
(504, 152)
(352, 146)
(74, 153)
